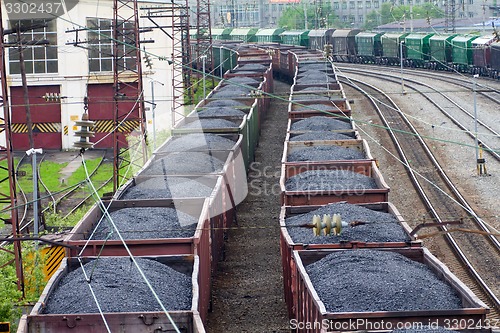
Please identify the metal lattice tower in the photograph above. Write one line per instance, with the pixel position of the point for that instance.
(129, 97)
(180, 59)
(203, 46)
(9, 200)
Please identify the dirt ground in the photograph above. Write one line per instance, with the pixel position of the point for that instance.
(248, 287)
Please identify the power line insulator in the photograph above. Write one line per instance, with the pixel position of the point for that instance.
(84, 133)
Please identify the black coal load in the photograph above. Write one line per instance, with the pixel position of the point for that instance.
(368, 280)
(330, 180)
(310, 97)
(119, 287)
(167, 188)
(316, 107)
(320, 123)
(312, 73)
(146, 223)
(251, 67)
(243, 80)
(379, 227)
(315, 80)
(325, 153)
(228, 102)
(320, 66)
(184, 163)
(234, 92)
(210, 123)
(316, 88)
(210, 112)
(197, 141)
(320, 135)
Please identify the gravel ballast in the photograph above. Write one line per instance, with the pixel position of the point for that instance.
(120, 288)
(367, 280)
(210, 123)
(198, 141)
(379, 227)
(325, 153)
(185, 163)
(166, 188)
(320, 123)
(320, 135)
(147, 223)
(330, 180)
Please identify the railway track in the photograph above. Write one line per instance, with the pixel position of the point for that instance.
(477, 253)
(64, 202)
(487, 136)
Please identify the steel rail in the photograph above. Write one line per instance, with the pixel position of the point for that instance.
(452, 241)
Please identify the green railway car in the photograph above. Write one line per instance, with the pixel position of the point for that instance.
(221, 34)
(391, 46)
(269, 35)
(369, 46)
(417, 49)
(440, 55)
(246, 35)
(462, 52)
(295, 37)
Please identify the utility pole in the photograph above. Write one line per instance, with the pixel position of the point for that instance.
(9, 200)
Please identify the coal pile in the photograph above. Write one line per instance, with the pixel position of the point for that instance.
(315, 80)
(309, 97)
(229, 102)
(316, 88)
(320, 123)
(320, 66)
(231, 93)
(320, 135)
(367, 280)
(330, 180)
(184, 163)
(210, 123)
(210, 112)
(119, 287)
(316, 107)
(243, 80)
(325, 153)
(166, 188)
(379, 227)
(198, 141)
(147, 223)
(252, 67)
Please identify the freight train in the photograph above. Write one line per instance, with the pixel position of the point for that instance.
(173, 216)
(475, 54)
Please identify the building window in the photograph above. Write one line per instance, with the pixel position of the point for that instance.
(471, 14)
(368, 4)
(352, 19)
(360, 18)
(352, 5)
(345, 18)
(37, 59)
(336, 5)
(101, 46)
(344, 5)
(376, 4)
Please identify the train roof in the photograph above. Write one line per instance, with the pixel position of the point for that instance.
(484, 40)
(346, 32)
(369, 34)
(320, 32)
(269, 32)
(294, 32)
(443, 37)
(243, 31)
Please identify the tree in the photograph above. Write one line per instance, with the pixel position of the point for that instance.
(317, 18)
(389, 13)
